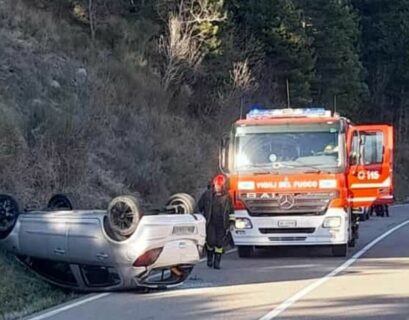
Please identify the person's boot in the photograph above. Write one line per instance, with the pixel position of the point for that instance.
(210, 255)
(217, 258)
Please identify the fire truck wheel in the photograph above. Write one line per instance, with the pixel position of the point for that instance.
(340, 250)
(9, 212)
(245, 251)
(60, 201)
(124, 214)
(181, 203)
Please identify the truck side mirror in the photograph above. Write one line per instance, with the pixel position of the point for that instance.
(224, 155)
(353, 158)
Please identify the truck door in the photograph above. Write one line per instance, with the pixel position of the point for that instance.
(370, 172)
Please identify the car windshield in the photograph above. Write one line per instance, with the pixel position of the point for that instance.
(307, 148)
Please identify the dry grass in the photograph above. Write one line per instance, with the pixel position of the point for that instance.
(22, 293)
(88, 121)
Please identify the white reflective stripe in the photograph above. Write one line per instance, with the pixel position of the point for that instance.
(386, 183)
(246, 185)
(362, 199)
(387, 197)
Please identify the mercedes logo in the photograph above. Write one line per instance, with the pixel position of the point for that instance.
(286, 201)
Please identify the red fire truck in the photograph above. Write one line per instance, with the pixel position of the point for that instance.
(296, 176)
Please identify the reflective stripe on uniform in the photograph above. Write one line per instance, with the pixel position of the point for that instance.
(218, 250)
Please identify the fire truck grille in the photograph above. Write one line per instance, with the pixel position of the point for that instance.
(287, 204)
(286, 230)
(287, 238)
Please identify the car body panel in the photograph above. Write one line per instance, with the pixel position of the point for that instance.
(78, 238)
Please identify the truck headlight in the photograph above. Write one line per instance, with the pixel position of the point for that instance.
(243, 223)
(332, 222)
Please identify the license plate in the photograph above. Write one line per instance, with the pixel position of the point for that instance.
(184, 229)
(287, 223)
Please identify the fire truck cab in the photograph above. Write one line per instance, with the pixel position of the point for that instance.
(297, 175)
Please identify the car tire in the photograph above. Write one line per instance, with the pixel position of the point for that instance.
(245, 251)
(181, 203)
(124, 214)
(9, 212)
(60, 201)
(340, 250)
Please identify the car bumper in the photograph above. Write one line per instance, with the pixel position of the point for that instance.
(312, 230)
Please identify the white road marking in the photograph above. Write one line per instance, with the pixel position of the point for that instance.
(300, 294)
(70, 306)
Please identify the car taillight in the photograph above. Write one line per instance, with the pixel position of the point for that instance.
(148, 258)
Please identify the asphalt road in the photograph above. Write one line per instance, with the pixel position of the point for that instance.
(298, 283)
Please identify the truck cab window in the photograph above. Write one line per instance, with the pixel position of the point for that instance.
(355, 152)
(373, 147)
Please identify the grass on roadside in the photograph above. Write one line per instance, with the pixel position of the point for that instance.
(22, 292)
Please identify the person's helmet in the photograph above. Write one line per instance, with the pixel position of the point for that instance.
(219, 180)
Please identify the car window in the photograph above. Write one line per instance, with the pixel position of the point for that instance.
(99, 276)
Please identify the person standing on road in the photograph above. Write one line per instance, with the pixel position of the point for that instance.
(217, 208)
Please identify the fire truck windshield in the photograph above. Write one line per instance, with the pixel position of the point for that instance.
(300, 147)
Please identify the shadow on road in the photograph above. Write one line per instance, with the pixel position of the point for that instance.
(368, 307)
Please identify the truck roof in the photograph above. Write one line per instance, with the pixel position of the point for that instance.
(285, 120)
(289, 115)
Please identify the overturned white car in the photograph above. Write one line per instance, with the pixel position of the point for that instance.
(123, 247)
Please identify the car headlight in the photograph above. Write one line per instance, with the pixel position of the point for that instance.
(332, 222)
(243, 223)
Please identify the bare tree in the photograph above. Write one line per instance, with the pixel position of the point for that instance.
(242, 77)
(183, 45)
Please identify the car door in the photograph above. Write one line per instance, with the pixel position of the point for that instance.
(43, 236)
(86, 242)
(370, 171)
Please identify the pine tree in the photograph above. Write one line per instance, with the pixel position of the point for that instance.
(277, 26)
(334, 28)
(385, 49)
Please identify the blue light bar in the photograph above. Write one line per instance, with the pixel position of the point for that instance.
(288, 113)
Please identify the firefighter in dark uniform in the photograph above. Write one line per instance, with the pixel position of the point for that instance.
(217, 208)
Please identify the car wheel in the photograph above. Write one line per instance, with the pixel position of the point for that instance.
(124, 214)
(181, 203)
(340, 250)
(245, 251)
(60, 201)
(9, 212)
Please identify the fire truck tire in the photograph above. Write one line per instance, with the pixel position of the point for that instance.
(245, 251)
(9, 212)
(182, 203)
(123, 216)
(340, 250)
(60, 201)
